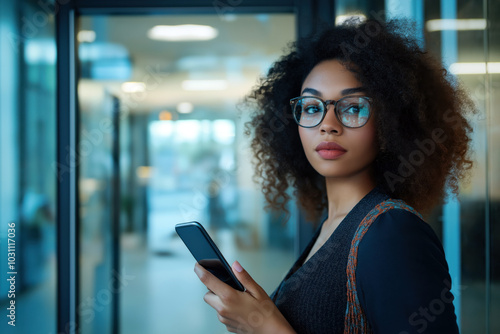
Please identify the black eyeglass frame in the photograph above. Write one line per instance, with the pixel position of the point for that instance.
(326, 103)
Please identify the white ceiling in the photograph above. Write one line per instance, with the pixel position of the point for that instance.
(243, 50)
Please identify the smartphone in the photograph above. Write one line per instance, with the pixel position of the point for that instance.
(204, 250)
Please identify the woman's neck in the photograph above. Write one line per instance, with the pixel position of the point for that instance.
(344, 193)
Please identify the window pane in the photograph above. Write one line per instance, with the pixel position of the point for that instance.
(455, 32)
(184, 157)
(27, 176)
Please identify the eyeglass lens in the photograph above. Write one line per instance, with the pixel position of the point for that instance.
(352, 112)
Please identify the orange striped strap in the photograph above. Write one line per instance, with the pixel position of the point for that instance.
(355, 319)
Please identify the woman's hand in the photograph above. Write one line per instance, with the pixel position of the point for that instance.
(246, 312)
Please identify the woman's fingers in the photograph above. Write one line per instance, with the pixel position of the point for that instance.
(231, 329)
(211, 282)
(248, 282)
(241, 312)
(211, 299)
(233, 326)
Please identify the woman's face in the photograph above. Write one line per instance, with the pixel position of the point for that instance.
(330, 80)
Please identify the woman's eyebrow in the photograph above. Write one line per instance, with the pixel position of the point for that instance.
(349, 91)
(346, 91)
(312, 91)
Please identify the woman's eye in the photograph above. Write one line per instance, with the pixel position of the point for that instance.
(352, 109)
(311, 109)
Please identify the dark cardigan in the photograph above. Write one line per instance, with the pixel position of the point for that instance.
(402, 277)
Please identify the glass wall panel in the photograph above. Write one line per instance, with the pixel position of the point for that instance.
(96, 204)
(27, 176)
(492, 101)
(465, 35)
(183, 157)
(464, 221)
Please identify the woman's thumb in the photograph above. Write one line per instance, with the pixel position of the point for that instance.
(244, 277)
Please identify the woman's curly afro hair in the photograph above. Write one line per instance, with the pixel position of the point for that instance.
(420, 114)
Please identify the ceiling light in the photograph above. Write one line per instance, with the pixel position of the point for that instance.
(184, 32)
(86, 36)
(144, 172)
(474, 68)
(133, 87)
(455, 24)
(165, 116)
(185, 107)
(355, 17)
(204, 85)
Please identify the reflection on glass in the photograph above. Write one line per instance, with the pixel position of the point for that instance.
(192, 161)
(96, 204)
(460, 31)
(455, 30)
(27, 175)
(183, 157)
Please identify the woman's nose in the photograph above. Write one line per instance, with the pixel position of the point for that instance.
(330, 123)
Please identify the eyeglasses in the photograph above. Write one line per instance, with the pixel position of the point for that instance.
(351, 111)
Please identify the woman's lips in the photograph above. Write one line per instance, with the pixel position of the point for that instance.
(330, 150)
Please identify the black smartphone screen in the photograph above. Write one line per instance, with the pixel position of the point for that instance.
(206, 252)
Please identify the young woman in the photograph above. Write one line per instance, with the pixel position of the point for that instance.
(370, 130)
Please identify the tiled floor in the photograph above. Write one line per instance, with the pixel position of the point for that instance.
(165, 296)
(162, 294)
(35, 308)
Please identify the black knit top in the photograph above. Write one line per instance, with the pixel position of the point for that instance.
(402, 277)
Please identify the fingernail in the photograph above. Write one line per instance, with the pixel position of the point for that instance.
(238, 266)
(197, 270)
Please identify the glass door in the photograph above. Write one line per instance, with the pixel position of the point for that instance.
(180, 81)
